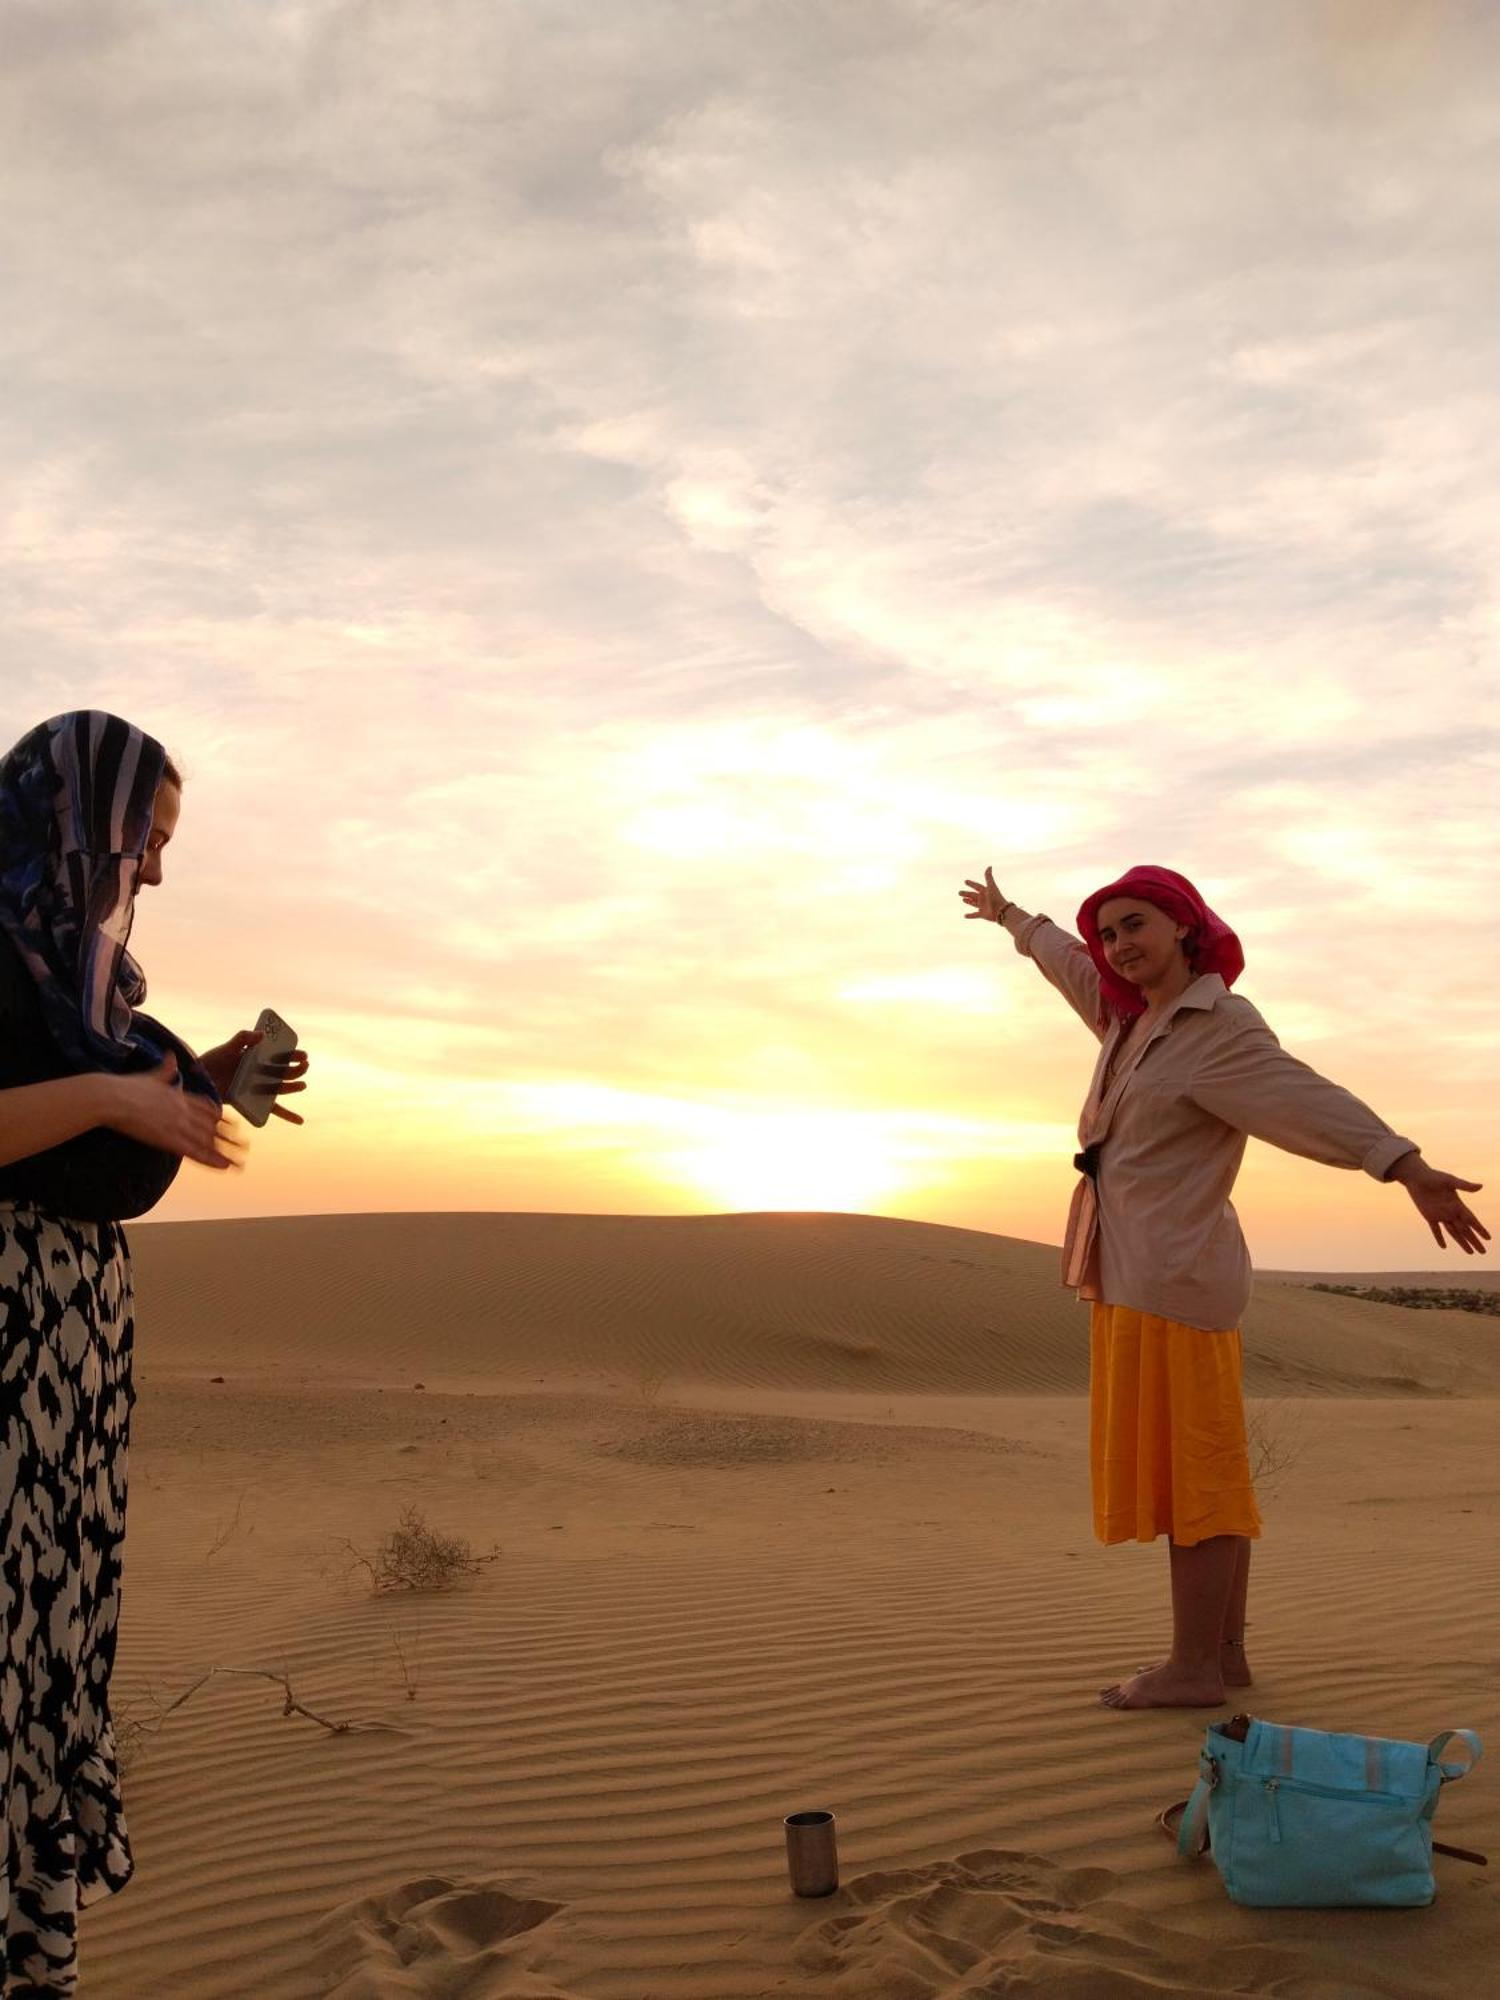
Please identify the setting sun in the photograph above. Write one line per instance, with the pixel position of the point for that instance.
(792, 1161)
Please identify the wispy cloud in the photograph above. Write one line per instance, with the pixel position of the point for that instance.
(620, 510)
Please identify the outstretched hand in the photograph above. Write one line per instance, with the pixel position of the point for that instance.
(288, 1072)
(983, 898)
(1440, 1204)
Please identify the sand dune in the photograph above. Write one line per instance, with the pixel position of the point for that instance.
(805, 1302)
(789, 1511)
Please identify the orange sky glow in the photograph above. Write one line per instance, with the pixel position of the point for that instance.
(618, 522)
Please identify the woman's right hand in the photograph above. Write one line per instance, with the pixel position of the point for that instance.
(152, 1106)
(984, 899)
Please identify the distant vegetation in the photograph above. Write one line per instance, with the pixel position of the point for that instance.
(1421, 1298)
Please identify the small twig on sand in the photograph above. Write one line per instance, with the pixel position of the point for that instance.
(132, 1733)
(291, 1706)
(408, 1677)
(226, 1533)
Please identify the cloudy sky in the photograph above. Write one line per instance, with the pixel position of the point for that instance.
(620, 507)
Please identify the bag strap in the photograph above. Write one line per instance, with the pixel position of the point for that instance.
(1460, 1853)
(1452, 1772)
(1193, 1837)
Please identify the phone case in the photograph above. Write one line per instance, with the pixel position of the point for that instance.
(253, 1090)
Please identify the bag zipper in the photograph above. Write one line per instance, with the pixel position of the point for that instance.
(1272, 1786)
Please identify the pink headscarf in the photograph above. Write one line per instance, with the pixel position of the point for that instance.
(1211, 945)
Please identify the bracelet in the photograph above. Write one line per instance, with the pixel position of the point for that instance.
(1003, 914)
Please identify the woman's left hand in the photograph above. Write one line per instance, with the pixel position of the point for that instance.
(289, 1071)
(1438, 1201)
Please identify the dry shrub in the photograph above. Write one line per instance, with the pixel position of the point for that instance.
(1274, 1432)
(650, 1381)
(415, 1557)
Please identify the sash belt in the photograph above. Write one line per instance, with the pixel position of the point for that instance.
(1087, 1162)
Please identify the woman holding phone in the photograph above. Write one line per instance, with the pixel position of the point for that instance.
(99, 1107)
(1186, 1071)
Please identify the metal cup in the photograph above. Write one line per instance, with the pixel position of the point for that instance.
(812, 1858)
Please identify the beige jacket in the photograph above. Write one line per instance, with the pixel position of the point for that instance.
(1157, 1230)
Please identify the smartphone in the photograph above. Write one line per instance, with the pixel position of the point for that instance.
(253, 1090)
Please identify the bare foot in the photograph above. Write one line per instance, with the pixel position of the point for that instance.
(1233, 1666)
(1166, 1686)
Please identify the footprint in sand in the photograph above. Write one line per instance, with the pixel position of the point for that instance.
(435, 1938)
(999, 1922)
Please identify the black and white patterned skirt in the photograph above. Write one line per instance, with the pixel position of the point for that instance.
(66, 1328)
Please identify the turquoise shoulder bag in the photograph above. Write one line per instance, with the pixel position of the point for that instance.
(1297, 1818)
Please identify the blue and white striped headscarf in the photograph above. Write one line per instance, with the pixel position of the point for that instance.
(77, 797)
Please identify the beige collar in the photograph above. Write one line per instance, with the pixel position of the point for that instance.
(1205, 992)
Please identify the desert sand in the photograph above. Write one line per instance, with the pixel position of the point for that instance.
(788, 1511)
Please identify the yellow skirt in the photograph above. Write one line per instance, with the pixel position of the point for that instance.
(1167, 1446)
